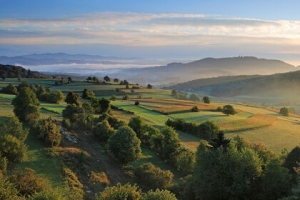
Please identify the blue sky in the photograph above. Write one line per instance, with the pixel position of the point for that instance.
(159, 29)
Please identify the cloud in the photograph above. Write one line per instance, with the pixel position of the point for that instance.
(154, 30)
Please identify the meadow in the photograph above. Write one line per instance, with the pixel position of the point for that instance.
(253, 123)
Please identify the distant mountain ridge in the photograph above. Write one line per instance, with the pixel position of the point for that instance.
(209, 67)
(59, 58)
(134, 70)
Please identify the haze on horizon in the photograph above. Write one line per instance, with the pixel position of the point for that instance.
(175, 30)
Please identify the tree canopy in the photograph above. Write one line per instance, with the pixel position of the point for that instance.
(229, 110)
(26, 104)
(125, 145)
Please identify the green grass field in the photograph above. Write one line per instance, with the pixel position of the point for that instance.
(151, 117)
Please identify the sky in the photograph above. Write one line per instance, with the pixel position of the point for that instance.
(152, 29)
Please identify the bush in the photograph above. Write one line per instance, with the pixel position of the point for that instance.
(28, 183)
(284, 111)
(8, 190)
(154, 177)
(120, 192)
(159, 195)
(12, 148)
(48, 131)
(219, 109)
(3, 165)
(75, 185)
(195, 109)
(137, 103)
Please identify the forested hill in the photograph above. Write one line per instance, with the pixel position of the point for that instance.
(11, 71)
(277, 84)
(210, 67)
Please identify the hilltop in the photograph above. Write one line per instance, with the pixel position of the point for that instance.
(11, 71)
(206, 68)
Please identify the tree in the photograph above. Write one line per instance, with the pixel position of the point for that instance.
(284, 111)
(55, 96)
(48, 131)
(13, 127)
(292, 160)
(125, 145)
(136, 103)
(171, 142)
(26, 104)
(9, 89)
(228, 110)
(174, 93)
(275, 181)
(72, 98)
(159, 195)
(12, 148)
(185, 161)
(106, 78)
(208, 130)
(88, 94)
(103, 131)
(225, 174)
(120, 192)
(116, 80)
(72, 112)
(194, 97)
(137, 124)
(206, 99)
(70, 79)
(149, 86)
(105, 105)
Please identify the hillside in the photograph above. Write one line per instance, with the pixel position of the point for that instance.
(11, 71)
(245, 85)
(205, 68)
(147, 71)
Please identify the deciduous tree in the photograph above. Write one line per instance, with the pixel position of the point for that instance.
(26, 104)
(125, 145)
(229, 110)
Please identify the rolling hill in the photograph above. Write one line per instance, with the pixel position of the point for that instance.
(136, 72)
(276, 84)
(205, 68)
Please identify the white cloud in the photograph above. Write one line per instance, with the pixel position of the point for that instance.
(149, 30)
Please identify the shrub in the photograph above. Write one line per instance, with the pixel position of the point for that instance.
(75, 185)
(137, 103)
(284, 111)
(159, 195)
(28, 183)
(48, 131)
(8, 190)
(154, 177)
(12, 148)
(120, 192)
(195, 109)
